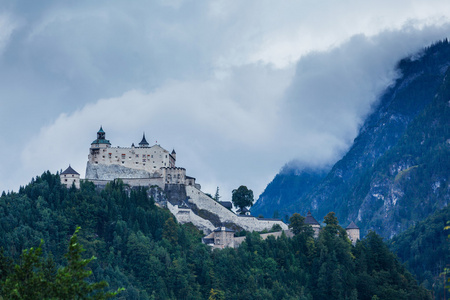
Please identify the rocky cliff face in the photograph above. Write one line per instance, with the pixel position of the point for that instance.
(396, 172)
(110, 172)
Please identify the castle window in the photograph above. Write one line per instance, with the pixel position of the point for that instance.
(143, 160)
(137, 155)
(123, 162)
(152, 155)
(65, 180)
(123, 156)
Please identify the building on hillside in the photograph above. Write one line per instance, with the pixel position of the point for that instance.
(227, 204)
(220, 238)
(243, 211)
(70, 177)
(310, 220)
(353, 232)
(143, 165)
(144, 157)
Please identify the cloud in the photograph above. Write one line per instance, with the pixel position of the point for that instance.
(7, 25)
(241, 128)
(238, 88)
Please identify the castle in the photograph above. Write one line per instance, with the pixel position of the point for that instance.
(143, 165)
(154, 167)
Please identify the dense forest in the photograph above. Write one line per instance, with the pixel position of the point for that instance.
(425, 250)
(142, 248)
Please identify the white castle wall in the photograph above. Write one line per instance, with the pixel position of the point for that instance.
(353, 235)
(248, 223)
(184, 216)
(149, 159)
(69, 179)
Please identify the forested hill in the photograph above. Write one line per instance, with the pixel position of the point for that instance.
(425, 249)
(140, 247)
(396, 172)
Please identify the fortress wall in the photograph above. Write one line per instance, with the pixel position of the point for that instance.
(248, 223)
(254, 224)
(184, 216)
(174, 175)
(202, 201)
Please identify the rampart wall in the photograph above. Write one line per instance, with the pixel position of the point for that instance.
(248, 223)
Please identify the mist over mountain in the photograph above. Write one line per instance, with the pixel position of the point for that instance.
(396, 172)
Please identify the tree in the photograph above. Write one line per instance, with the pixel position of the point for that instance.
(298, 226)
(35, 278)
(217, 196)
(242, 197)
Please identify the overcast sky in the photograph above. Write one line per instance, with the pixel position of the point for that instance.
(237, 88)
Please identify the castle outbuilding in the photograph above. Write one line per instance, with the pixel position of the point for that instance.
(311, 221)
(69, 177)
(353, 232)
(221, 237)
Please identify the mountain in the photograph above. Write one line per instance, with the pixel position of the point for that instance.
(396, 172)
(424, 249)
(281, 197)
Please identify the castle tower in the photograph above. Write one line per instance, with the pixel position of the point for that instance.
(311, 221)
(100, 142)
(69, 177)
(353, 232)
(143, 143)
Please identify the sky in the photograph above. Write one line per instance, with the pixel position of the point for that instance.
(238, 88)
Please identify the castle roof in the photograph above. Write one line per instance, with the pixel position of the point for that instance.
(173, 151)
(101, 137)
(144, 142)
(352, 226)
(243, 210)
(69, 170)
(226, 204)
(310, 219)
(219, 229)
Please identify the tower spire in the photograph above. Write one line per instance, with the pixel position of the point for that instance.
(144, 142)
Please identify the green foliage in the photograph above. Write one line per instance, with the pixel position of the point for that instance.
(36, 278)
(425, 250)
(298, 226)
(242, 197)
(142, 248)
(217, 196)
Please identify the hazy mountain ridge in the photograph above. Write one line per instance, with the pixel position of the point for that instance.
(370, 184)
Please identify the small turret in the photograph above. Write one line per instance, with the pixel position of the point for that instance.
(143, 143)
(353, 232)
(174, 154)
(101, 140)
(69, 177)
(311, 221)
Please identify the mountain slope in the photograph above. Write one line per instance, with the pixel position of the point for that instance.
(399, 156)
(282, 195)
(424, 249)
